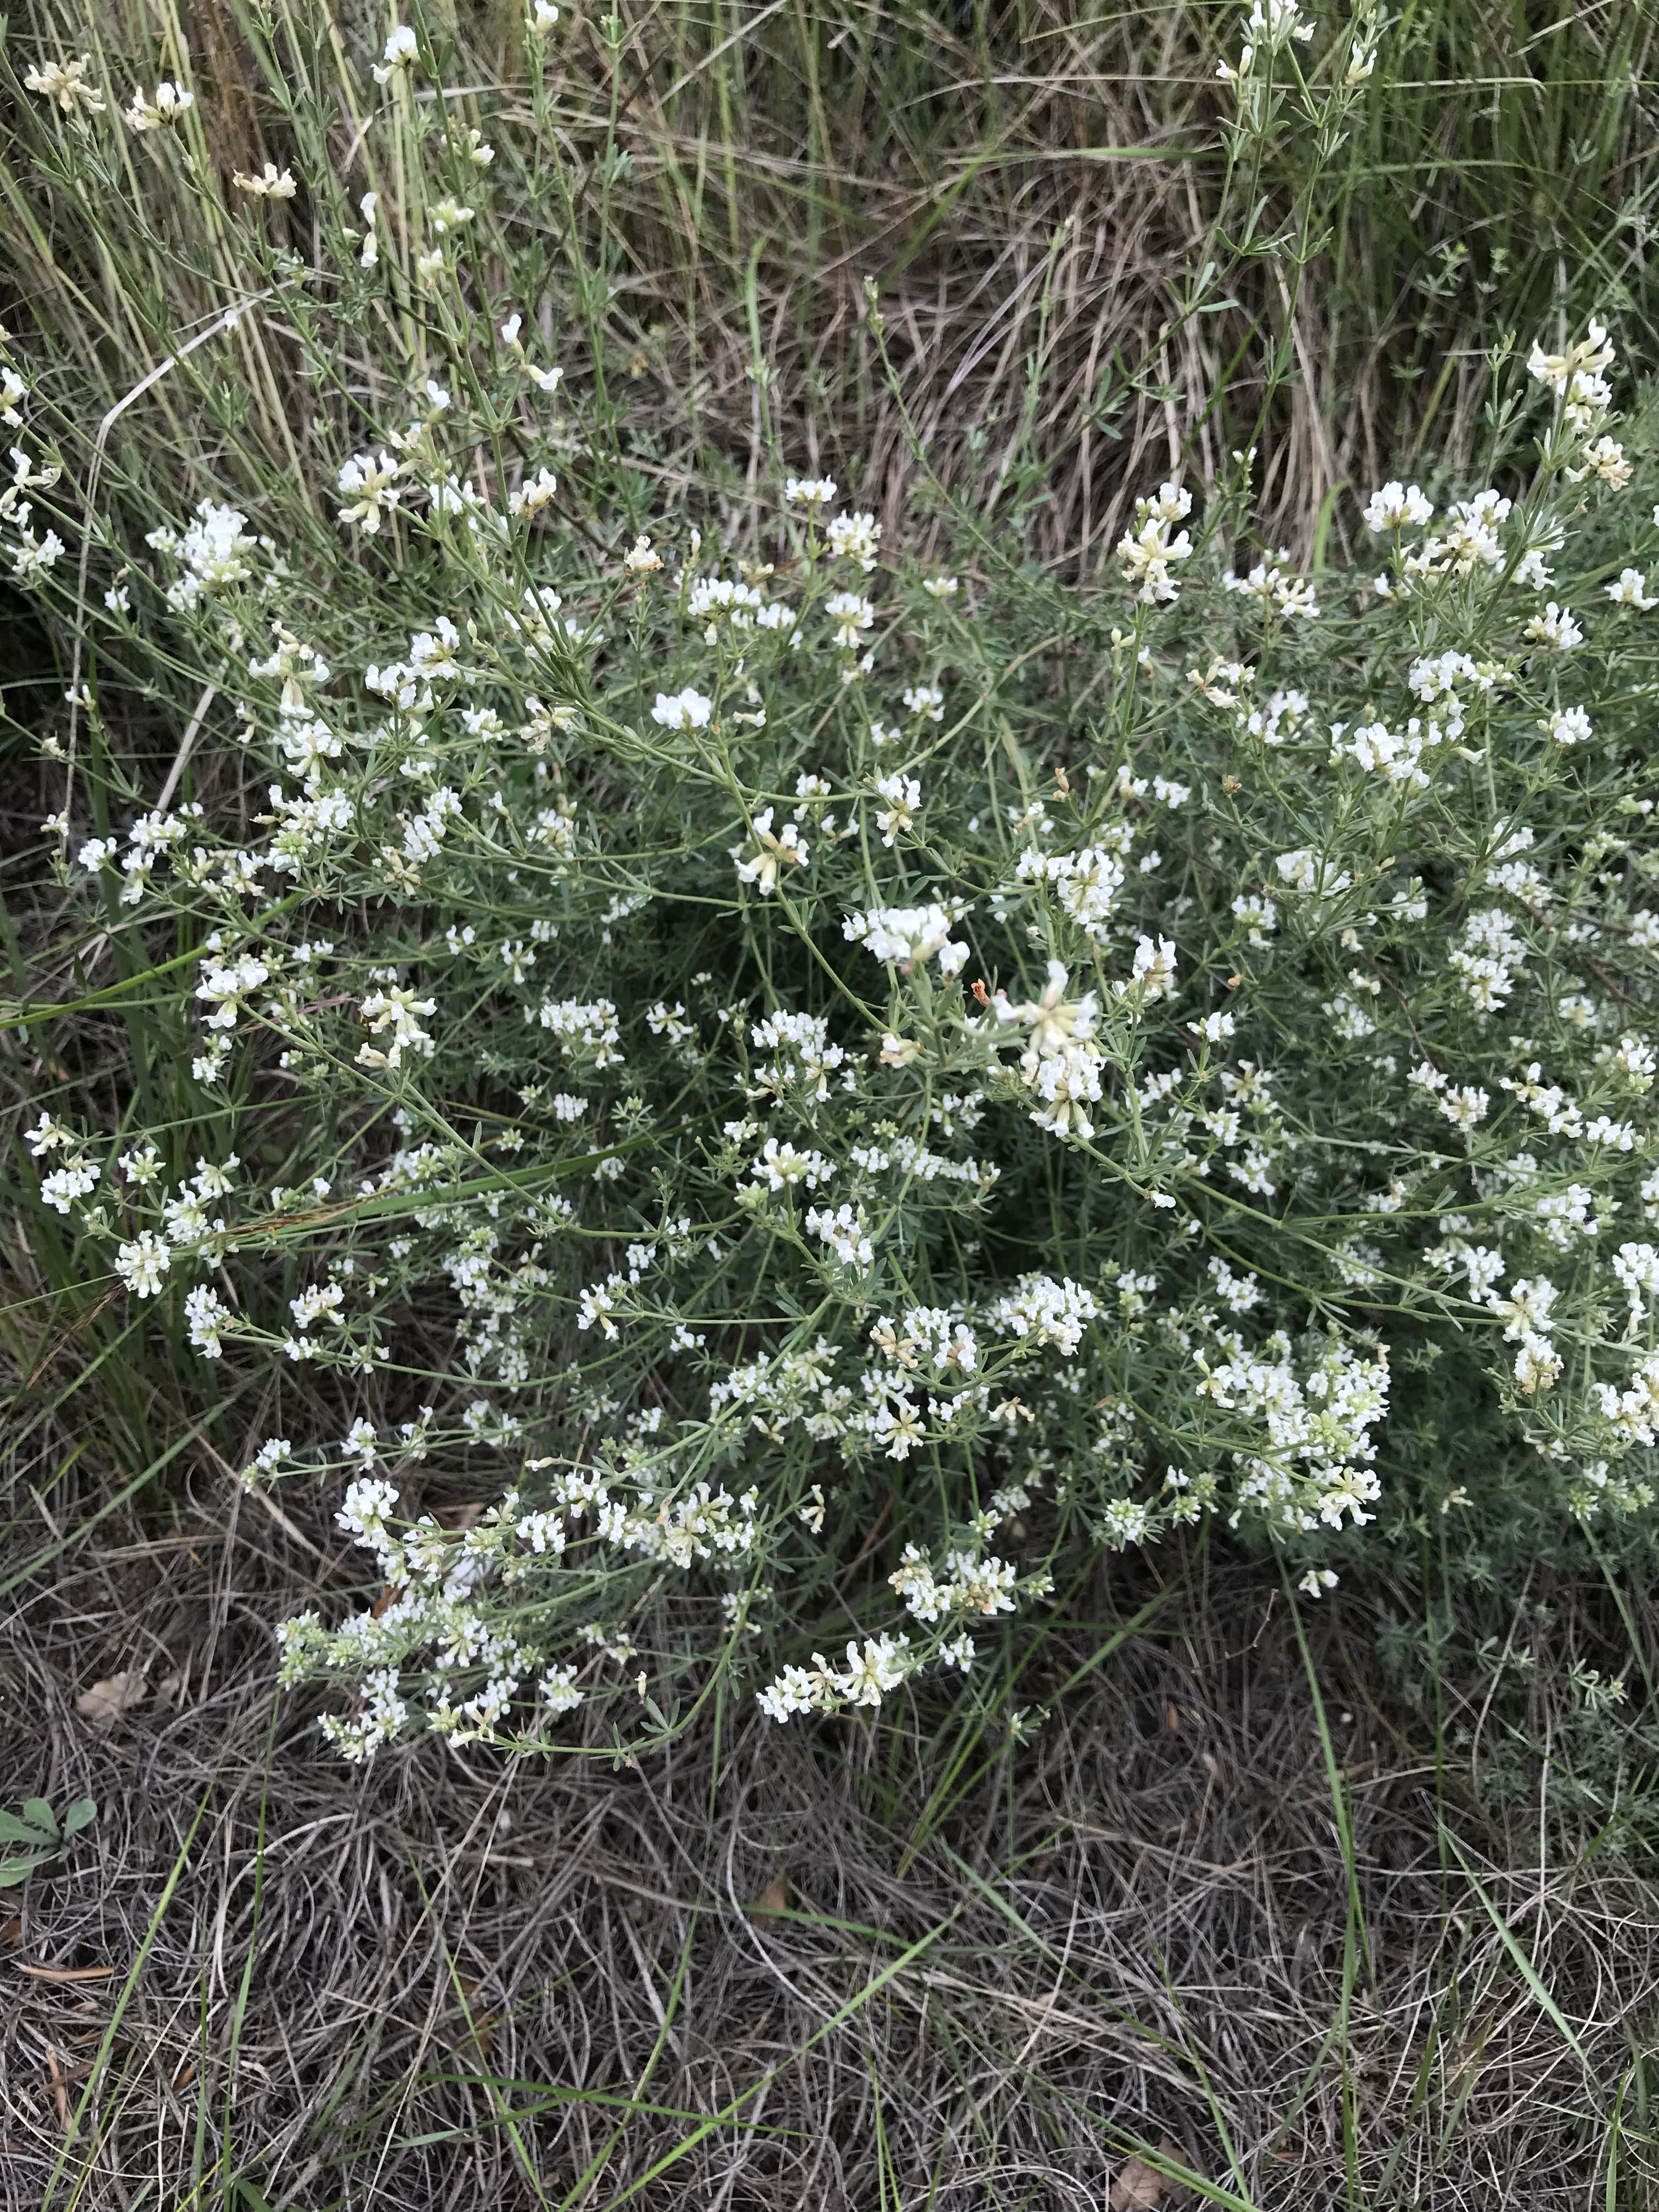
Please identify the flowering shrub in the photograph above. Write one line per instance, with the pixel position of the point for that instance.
(774, 1055)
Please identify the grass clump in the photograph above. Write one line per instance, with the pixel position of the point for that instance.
(832, 1083)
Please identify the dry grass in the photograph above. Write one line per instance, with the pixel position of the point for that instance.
(1033, 186)
(448, 1983)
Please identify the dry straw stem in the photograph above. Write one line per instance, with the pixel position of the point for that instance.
(1032, 189)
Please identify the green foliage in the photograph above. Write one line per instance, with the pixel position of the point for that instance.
(38, 1836)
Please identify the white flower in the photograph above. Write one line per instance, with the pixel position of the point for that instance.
(214, 551)
(1307, 870)
(1065, 1084)
(1272, 23)
(370, 483)
(1042, 1311)
(813, 493)
(1154, 977)
(368, 207)
(1587, 358)
(1270, 582)
(780, 1167)
(323, 1302)
(596, 1305)
(1631, 591)
(842, 1230)
(1619, 1136)
(1568, 726)
(1396, 755)
(851, 615)
(1537, 1364)
(855, 538)
(271, 183)
(401, 1012)
(1463, 1105)
(1361, 61)
(795, 1691)
(66, 83)
(225, 985)
(559, 1688)
(268, 1458)
(1555, 627)
(903, 796)
(1396, 506)
(363, 1510)
(401, 50)
(458, 495)
(74, 1180)
(881, 1666)
(683, 710)
(770, 854)
(169, 102)
(207, 1316)
(1053, 1020)
(1147, 552)
(538, 491)
(586, 1030)
(31, 556)
(909, 936)
(143, 1265)
(1604, 458)
(1471, 526)
(46, 1136)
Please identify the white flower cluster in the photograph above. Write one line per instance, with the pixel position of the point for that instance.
(736, 1080)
